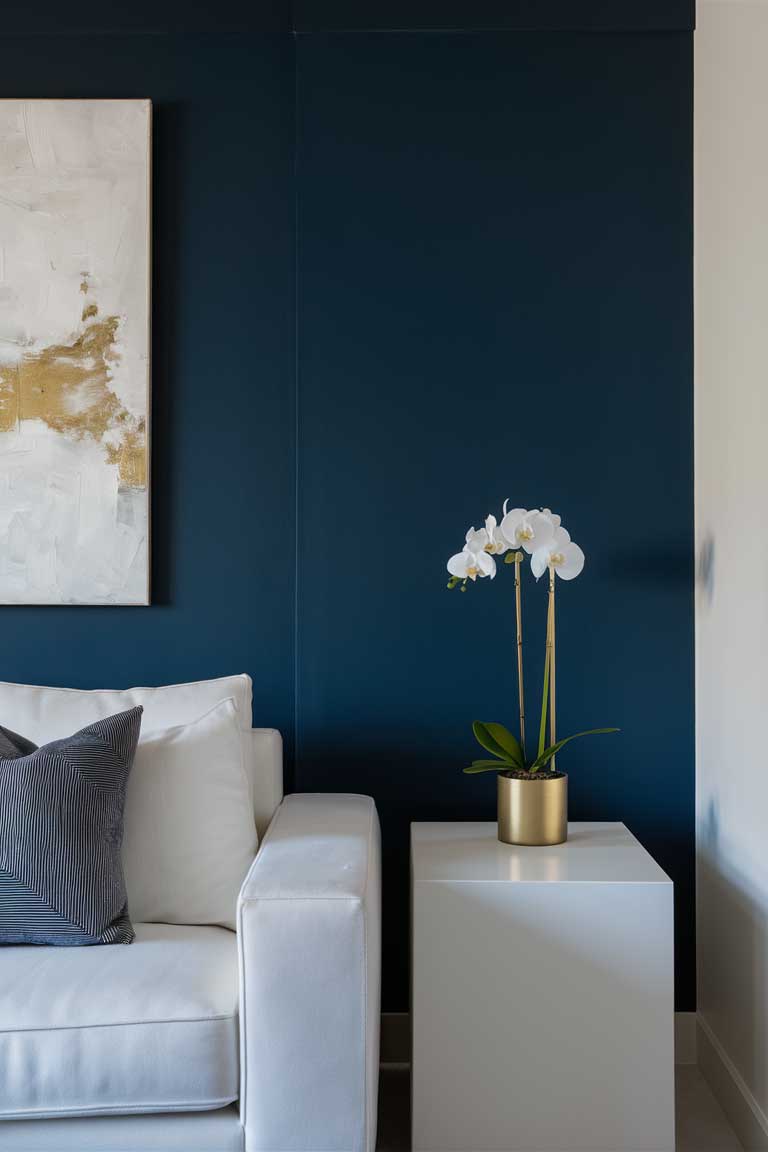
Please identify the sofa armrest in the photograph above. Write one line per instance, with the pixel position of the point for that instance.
(309, 940)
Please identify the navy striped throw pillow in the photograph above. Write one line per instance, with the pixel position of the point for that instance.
(61, 827)
(13, 745)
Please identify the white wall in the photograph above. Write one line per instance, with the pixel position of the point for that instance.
(731, 98)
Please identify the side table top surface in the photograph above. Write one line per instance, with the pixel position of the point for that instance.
(465, 852)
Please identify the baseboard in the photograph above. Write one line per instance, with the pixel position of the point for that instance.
(747, 1118)
(396, 1038)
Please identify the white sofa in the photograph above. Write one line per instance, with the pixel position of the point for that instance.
(195, 1037)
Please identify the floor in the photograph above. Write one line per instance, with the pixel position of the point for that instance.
(701, 1122)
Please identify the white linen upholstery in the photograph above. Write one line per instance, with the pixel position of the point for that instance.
(309, 942)
(218, 1131)
(90, 1037)
(189, 834)
(265, 773)
(149, 1027)
(44, 714)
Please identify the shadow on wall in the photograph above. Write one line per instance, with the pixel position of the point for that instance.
(705, 568)
(732, 982)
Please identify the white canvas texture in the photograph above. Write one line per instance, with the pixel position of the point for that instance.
(74, 351)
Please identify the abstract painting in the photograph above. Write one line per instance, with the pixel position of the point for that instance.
(74, 351)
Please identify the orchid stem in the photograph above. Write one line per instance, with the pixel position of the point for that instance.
(544, 697)
(519, 617)
(551, 661)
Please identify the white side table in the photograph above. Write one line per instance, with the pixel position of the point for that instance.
(542, 997)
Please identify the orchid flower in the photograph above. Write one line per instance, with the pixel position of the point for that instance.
(488, 539)
(476, 557)
(469, 564)
(528, 530)
(561, 554)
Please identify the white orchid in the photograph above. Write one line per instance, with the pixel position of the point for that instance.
(488, 539)
(540, 533)
(476, 557)
(469, 564)
(531, 531)
(561, 554)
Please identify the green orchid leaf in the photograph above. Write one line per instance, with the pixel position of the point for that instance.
(553, 749)
(484, 738)
(507, 741)
(489, 766)
(497, 740)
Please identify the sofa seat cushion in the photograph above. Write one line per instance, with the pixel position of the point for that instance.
(93, 1031)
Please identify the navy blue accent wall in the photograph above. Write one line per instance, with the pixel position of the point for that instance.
(494, 300)
(512, 15)
(250, 18)
(223, 366)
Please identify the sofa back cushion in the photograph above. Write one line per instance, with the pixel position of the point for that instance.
(45, 714)
(189, 833)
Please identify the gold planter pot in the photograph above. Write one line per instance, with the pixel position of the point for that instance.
(533, 811)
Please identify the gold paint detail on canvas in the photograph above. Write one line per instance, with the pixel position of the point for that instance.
(68, 387)
(9, 398)
(130, 455)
